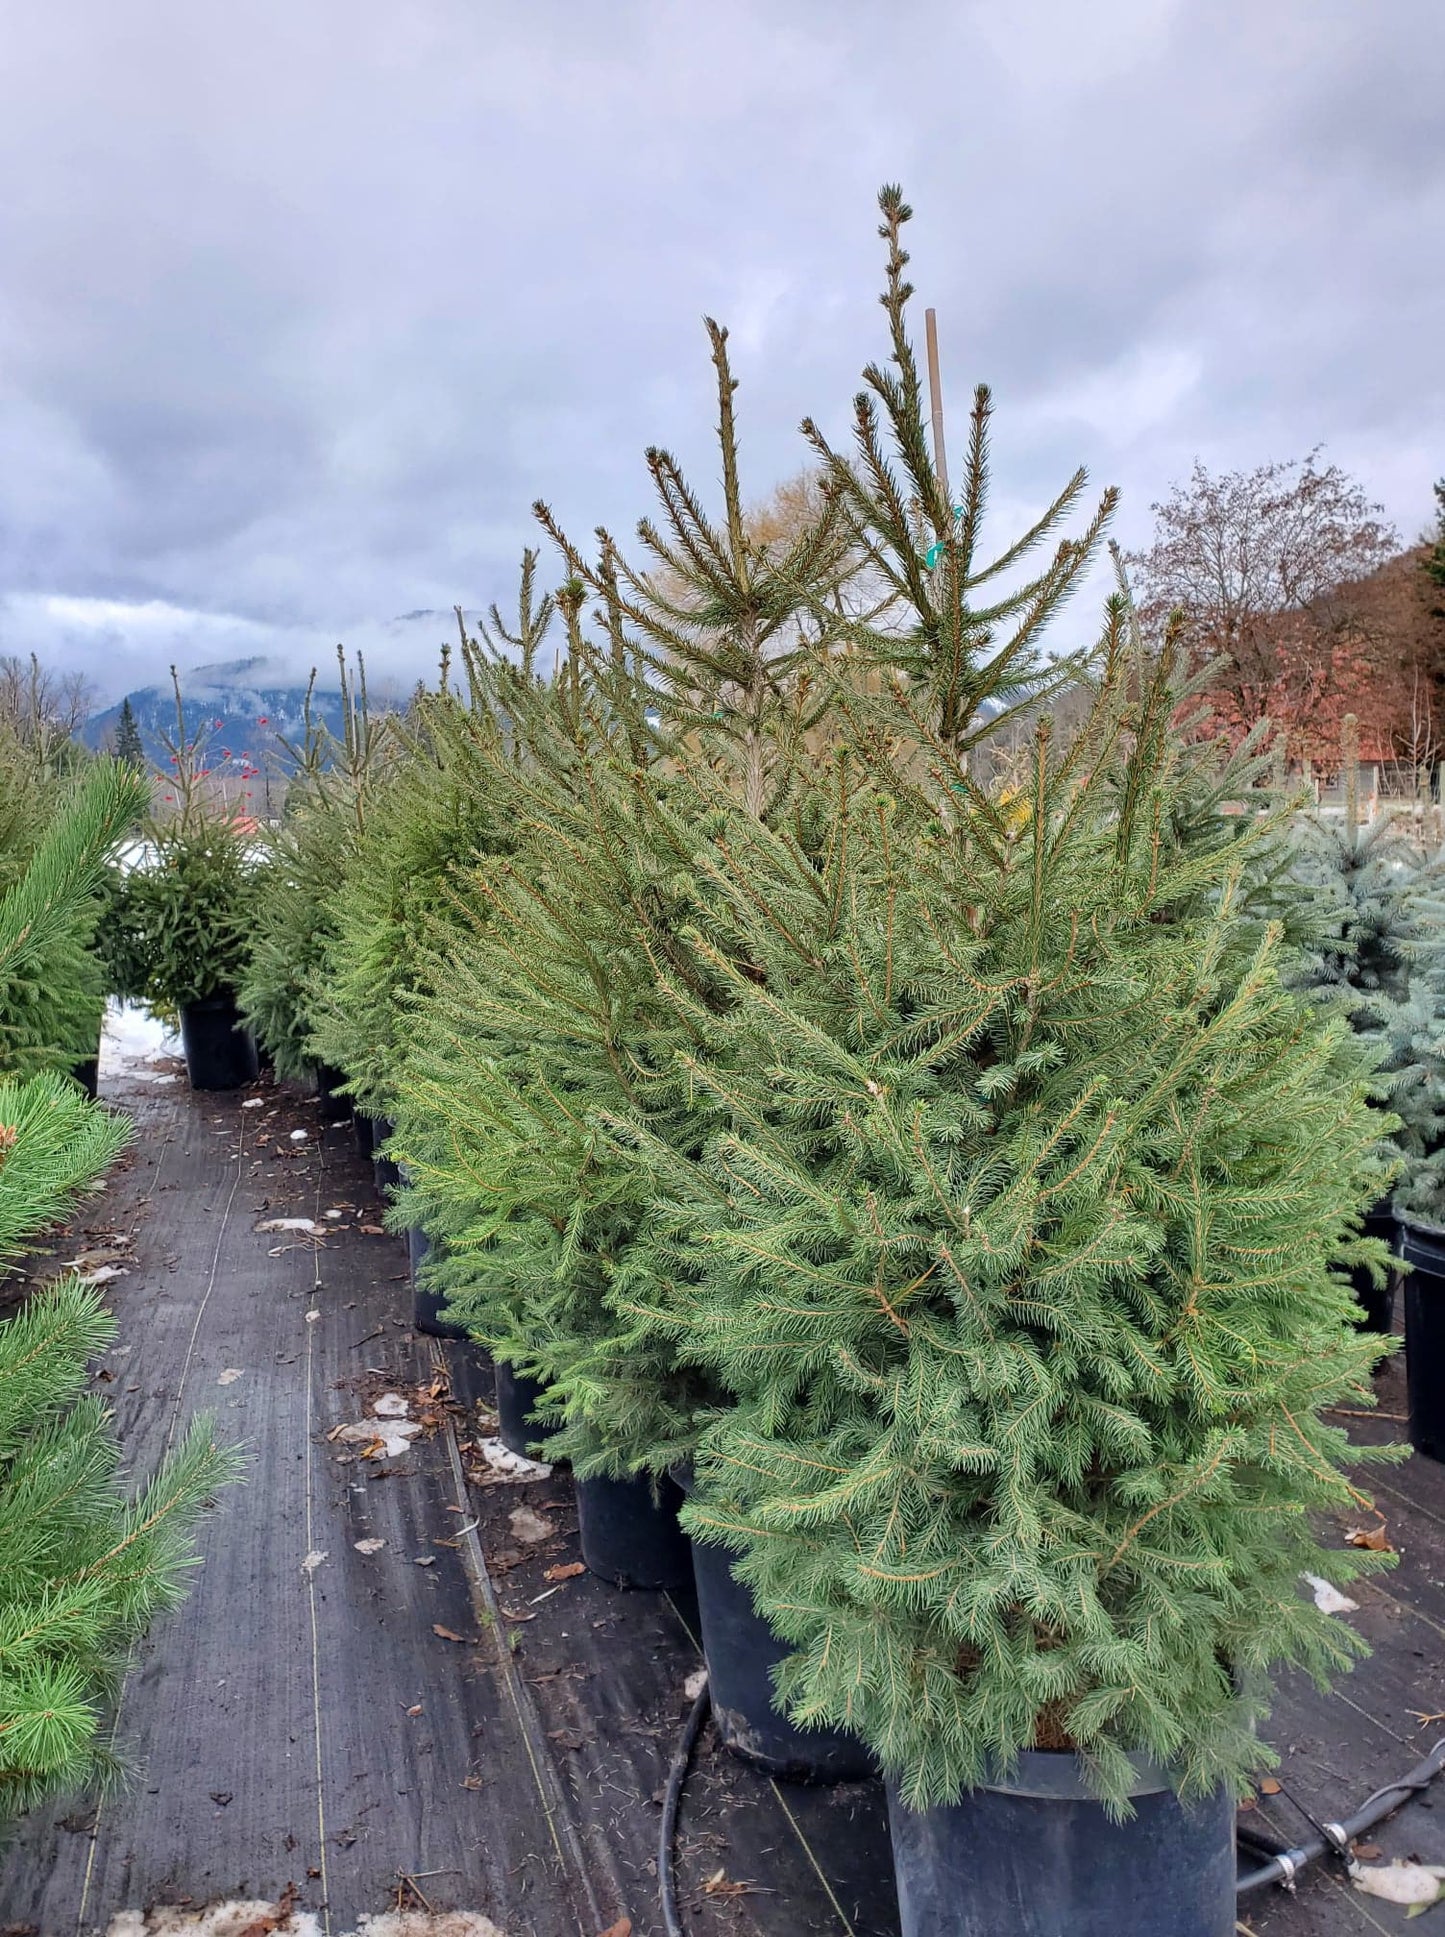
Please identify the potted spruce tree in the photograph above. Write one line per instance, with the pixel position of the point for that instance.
(418, 812)
(1370, 953)
(701, 660)
(724, 687)
(1016, 1260)
(181, 916)
(1010, 1281)
(1415, 1033)
(330, 785)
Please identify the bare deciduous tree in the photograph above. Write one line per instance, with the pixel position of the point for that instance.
(1262, 564)
(37, 703)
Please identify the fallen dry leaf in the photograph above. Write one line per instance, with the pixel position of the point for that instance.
(271, 1920)
(230, 1375)
(718, 1885)
(567, 1572)
(622, 1928)
(415, 1709)
(368, 1546)
(372, 1230)
(1269, 1787)
(1375, 1538)
(1367, 1852)
(447, 1634)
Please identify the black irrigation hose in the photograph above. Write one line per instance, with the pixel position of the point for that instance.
(672, 1796)
(1335, 1838)
(1283, 1864)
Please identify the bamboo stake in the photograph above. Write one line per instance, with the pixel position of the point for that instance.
(935, 399)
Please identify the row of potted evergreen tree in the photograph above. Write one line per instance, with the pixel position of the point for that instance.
(912, 1092)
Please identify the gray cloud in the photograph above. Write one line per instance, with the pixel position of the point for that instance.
(302, 306)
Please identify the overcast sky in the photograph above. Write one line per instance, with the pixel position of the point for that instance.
(303, 303)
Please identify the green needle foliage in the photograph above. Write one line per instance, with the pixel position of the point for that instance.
(724, 670)
(431, 814)
(178, 925)
(1017, 1260)
(944, 1161)
(52, 987)
(128, 746)
(84, 1565)
(1375, 954)
(294, 920)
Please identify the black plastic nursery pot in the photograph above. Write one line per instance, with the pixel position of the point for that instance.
(1376, 1302)
(741, 1652)
(517, 1400)
(220, 1054)
(387, 1170)
(426, 1304)
(335, 1108)
(87, 1074)
(630, 1535)
(1037, 1856)
(364, 1129)
(1423, 1249)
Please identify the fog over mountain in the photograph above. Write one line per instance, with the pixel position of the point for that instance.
(301, 311)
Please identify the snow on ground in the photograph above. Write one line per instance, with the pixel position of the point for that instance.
(133, 1043)
(240, 1917)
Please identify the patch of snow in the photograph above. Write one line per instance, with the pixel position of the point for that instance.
(1419, 1884)
(233, 1918)
(1328, 1598)
(507, 1465)
(133, 1041)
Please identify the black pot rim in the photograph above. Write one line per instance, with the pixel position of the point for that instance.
(223, 1000)
(1057, 1775)
(1427, 1241)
